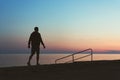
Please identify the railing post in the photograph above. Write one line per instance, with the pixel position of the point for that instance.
(91, 55)
(73, 58)
(55, 61)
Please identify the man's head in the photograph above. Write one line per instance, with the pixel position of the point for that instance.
(36, 29)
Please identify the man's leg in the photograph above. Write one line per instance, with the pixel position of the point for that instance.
(32, 53)
(37, 56)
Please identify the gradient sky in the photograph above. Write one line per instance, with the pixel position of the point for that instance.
(64, 24)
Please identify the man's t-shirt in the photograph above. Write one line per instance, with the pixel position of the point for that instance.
(35, 39)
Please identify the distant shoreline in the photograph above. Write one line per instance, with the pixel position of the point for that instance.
(55, 53)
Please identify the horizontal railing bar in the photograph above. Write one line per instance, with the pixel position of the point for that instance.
(78, 58)
(63, 57)
(68, 61)
(82, 51)
(83, 57)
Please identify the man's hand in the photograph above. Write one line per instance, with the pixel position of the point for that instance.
(28, 46)
(44, 46)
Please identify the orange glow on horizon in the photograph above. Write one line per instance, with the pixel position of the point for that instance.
(97, 45)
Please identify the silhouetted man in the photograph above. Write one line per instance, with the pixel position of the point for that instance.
(34, 42)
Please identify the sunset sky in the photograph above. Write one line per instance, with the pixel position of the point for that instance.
(64, 24)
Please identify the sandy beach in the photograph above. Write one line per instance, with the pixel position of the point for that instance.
(96, 70)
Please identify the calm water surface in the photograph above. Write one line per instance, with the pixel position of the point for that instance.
(8, 60)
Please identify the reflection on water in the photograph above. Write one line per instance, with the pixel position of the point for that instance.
(7, 60)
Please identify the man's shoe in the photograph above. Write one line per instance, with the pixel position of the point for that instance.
(28, 64)
(38, 64)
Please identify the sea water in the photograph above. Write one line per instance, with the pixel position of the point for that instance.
(9, 60)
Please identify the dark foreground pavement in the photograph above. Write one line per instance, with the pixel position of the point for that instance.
(96, 70)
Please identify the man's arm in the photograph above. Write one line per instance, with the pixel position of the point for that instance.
(42, 41)
(29, 41)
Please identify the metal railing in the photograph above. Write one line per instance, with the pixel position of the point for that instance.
(73, 58)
